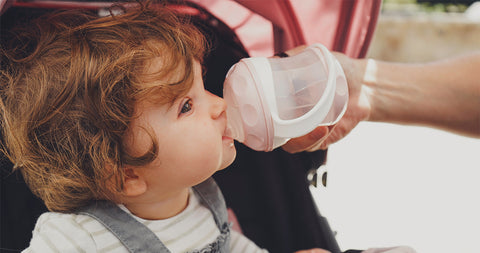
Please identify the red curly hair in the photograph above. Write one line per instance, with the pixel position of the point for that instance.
(69, 83)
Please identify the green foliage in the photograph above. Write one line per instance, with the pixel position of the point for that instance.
(423, 6)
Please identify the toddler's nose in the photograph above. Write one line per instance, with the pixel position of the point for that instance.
(218, 106)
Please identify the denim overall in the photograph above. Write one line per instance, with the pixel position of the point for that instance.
(138, 238)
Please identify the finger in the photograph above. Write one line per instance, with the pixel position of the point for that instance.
(290, 52)
(332, 138)
(296, 50)
(319, 251)
(308, 141)
(313, 251)
(338, 133)
(324, 142)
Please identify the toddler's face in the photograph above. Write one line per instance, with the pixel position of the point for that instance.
(190, 134)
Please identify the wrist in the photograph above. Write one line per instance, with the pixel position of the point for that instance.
(369, 87)
(359, 90)
(364, 80)
(395, 96)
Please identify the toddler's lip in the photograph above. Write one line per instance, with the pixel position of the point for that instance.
(227, 133)
(228, 140)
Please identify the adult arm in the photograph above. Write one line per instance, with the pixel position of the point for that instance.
(442, 94)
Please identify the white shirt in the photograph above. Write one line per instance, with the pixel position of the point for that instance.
(193, 228)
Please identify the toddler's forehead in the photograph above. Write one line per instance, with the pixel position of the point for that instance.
(163, 82)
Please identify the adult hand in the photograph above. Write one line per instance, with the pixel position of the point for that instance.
(313, 251)
(358, 109)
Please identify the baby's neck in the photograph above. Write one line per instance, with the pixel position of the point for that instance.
(159, 209)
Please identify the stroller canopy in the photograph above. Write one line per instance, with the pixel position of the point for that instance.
(276, 25)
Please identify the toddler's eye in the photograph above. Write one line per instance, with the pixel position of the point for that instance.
(187, 106)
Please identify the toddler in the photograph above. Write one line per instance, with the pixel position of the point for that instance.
(109, 123)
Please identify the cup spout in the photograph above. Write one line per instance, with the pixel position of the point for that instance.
(234, 124)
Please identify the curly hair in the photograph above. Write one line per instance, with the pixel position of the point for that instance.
(69, 83)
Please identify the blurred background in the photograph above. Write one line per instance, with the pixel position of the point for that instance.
(404, 185)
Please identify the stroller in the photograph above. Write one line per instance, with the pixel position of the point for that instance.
(267, 191)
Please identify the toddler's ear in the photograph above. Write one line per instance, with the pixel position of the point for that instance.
(134, 184)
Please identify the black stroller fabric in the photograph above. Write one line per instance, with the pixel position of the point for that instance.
(268, 191)
(19, 208)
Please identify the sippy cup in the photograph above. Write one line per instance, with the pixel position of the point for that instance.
(271, 100)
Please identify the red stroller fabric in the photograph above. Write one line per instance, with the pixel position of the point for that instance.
(276, 25)
(342, 25)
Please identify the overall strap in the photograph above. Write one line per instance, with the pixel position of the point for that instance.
(134, 234)
(211, 196)
(127, 229)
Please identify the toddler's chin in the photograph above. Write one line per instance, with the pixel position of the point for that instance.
(229, 160)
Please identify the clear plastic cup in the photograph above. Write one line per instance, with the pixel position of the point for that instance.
(271, 100)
